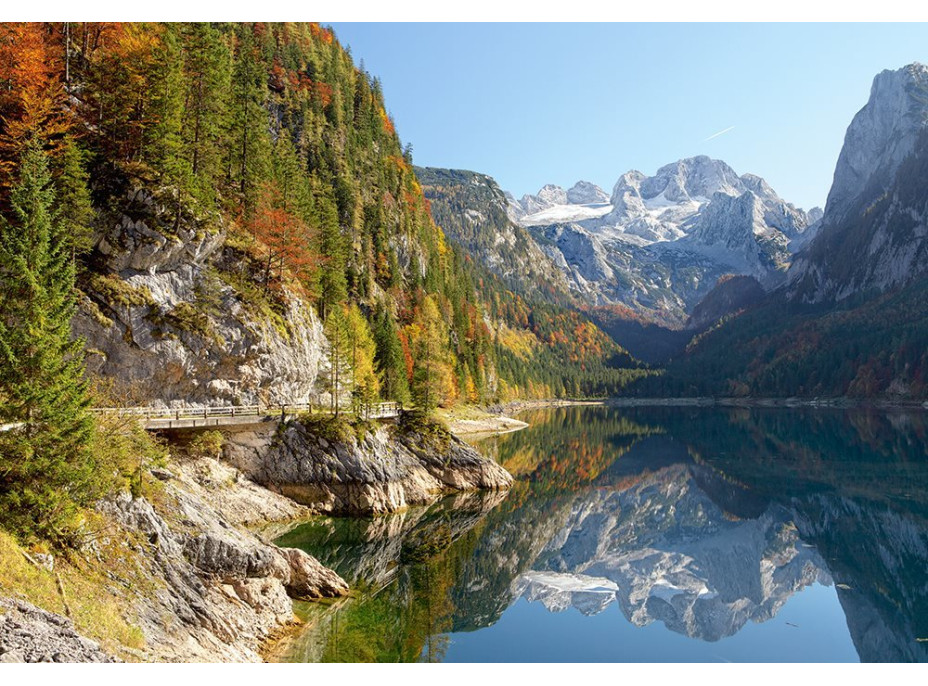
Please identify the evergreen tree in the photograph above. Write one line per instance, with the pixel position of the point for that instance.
(74, 199)
(390, 363)
(333, 284)
(167, 142)
(248, 119)
(208, 76)
(46, 469)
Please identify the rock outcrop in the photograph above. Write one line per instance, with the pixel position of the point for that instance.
(217, 592)
(224, 489)
(30, 634)
(386, 469)
(162, 314)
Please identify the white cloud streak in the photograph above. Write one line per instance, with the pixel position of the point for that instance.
(717, 134)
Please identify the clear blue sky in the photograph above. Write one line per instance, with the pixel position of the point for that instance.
(531, 104)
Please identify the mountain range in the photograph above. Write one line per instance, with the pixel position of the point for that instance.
(659, 243)
(652, 262)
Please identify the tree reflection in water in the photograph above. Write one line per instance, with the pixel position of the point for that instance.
(697, 518)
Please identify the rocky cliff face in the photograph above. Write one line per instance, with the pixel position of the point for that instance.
(212, 591)
(165, 315)
(874, 232)
(384, 470)
(878, 139)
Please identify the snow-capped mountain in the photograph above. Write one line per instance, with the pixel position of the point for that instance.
(665, 551)
(553, 204)
(586, 193)
(874, 232)
(661, 242)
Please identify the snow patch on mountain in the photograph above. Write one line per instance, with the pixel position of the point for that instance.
(662, 241)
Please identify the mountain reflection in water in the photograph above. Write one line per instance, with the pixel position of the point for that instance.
(700, 521)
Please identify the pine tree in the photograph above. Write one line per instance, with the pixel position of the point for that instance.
(333, 284)
(248, 120)
(208, 75)
(74, 198)
(390, 363)
(46, 469)
(166, 144)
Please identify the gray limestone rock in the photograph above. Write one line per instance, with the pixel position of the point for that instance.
(30, 634)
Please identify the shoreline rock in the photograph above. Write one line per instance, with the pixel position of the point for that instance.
(218, 592)
(386, 469)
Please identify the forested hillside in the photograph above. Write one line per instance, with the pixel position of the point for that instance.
(217, 178)
(864, 348)
(546, 347)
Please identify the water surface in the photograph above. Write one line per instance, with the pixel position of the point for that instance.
(649, 535)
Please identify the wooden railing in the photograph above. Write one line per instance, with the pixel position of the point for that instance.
(378, 411)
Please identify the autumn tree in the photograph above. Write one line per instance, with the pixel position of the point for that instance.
(361, 350)
(339, 368)
(31, 95)
(286, 238)
(433, 373)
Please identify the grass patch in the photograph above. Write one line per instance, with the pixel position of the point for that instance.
(115, 291)
(432, 432)
(96, 605)
(340, 429)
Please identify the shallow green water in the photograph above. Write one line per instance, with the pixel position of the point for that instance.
(650, 535)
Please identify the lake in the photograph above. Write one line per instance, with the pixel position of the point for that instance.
(649, 534)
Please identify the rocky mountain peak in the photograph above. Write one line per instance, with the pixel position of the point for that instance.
(872, 236)
(692, 178)
(881, 135)
(586, 193)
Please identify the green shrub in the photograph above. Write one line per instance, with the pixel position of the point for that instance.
(207, 444)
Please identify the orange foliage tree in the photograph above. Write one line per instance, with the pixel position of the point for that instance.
(287, 239)
(32, 96)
